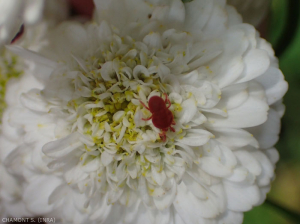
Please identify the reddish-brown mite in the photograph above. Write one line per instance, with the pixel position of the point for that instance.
(162, 117)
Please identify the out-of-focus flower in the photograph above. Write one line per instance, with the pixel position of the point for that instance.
(11, 189)
(11, 66)
(252, 11)
(78, 127)
(14, 70)
(14, 13)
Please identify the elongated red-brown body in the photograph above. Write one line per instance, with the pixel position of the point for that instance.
(162, 117)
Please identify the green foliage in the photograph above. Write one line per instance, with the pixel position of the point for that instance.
(289, 144)
(266, 214)
(278, 21)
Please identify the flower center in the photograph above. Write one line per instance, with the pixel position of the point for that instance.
(112, 95)
(112, 112)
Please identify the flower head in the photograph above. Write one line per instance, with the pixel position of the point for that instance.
(84, 124)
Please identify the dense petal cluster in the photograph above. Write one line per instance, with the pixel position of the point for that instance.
(77, 119)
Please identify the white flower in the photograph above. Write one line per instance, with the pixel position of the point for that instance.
(11, 191)
(12, 68)
(11, 77)
(14, 13)
(252, 11)
(89, 155)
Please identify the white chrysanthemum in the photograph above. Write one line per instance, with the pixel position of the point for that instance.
(253, 11)
(14, 13)
(12, 68)
(89, 156)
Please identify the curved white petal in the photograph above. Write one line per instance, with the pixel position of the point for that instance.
(241, 198)
(37, 193)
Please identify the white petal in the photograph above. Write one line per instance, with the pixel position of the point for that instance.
(153, 40)
(167, 199)
(199, 13)
(75, 175)
(131, 213)
(30, 55)
(58, 194)
(248, 161)
(158, 176)
(107, 71)
(234, 138)
(239, 175)
(273, 155)
(256, 63)
(196, 137)
(34, 101)
(144, 191)
(274, 84)
(235, 68)
(233, 96)
(106, 158)
(165, 217)
(92, 165)
(197, 190)
(192, 209)
(189, 110)
(37, 193)
(267, 134)
(241, 198)
(62, 147)
(199, 175)
(251, 113)
(214, 167)
(267, 169)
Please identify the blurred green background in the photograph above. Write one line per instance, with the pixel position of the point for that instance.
(283, 31)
